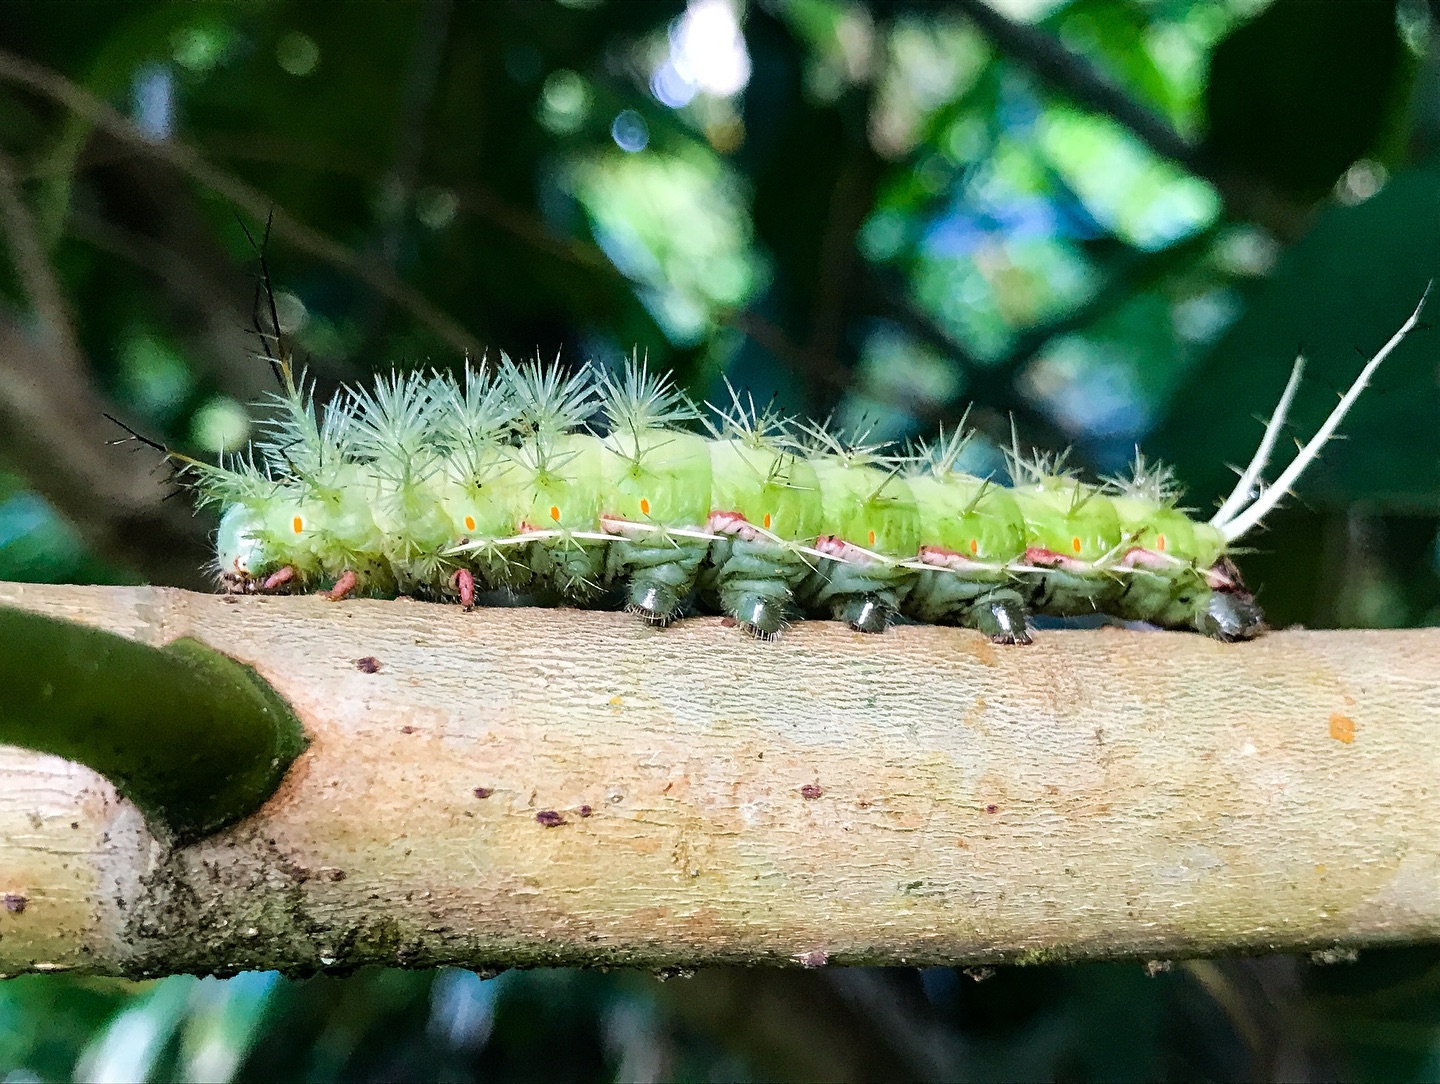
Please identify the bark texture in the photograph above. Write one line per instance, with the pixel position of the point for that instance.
(512, 787)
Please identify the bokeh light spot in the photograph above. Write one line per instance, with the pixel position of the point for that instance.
(630, 132)
(297, 54)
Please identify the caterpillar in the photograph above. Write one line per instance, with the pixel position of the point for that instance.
(440, 487)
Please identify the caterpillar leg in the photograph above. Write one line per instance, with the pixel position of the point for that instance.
(1230, 616)
(655, 603)
(278, 578)
(763, 616)
(941, 598)
(343, 586)
(1212, 601)
(464, 581)
(572, 569)
(753, 581)
(865, 596)
(865, 613)
(1001, 616)
(660, 575)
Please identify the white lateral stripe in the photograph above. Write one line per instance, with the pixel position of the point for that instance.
(1261, 459)
(621, 528)
(1247, 520)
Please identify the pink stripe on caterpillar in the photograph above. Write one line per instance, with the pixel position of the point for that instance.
(732, 523)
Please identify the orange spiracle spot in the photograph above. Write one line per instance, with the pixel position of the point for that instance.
(974, 545)
(644, 507)
(555, 512)
(1160, 542)
(1075, 543)
(767, 521)
(469, 523)
(297, 524)
(872, 538)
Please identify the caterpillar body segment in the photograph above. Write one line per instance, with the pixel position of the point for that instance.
(766, 509)
(443, 489)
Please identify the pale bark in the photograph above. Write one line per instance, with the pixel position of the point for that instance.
(532, 787)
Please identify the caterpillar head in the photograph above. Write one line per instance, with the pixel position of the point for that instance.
(240, 553)
(1231, 612)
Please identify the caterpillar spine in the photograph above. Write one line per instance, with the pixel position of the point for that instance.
(441, 488)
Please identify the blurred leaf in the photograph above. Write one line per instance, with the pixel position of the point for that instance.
(47, 1020)
(1301, 91)
(1338, 294)
(1116, 32)
(1382, 1013)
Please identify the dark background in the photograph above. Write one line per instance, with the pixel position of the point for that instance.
(1112, 221)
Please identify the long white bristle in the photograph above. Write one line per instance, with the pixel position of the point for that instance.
(1246, 521)
(1245, 487)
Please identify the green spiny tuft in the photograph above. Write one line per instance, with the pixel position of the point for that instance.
(1148, 480)
(761, 428)
(938, 458)
(549, 404)
(638, 399)
(819, 440)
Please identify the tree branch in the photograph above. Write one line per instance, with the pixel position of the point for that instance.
(189, 735)
(514, 787)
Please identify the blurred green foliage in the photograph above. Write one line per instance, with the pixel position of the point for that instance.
(870, 209)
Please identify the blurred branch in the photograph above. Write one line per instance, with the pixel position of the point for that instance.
(840, 268)
(52, 414)
(1082, 81)
(146, 214)
(879, 995)
(417, 93)
(530, 228)
(1264, 1003)
(537, 787)
(422, 72)
(36, 275)
(992, 383)
(51, 84)
(1090, 87)
(485, 204)
(791, 1026)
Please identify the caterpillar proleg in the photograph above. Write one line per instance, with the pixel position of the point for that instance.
(507, 478)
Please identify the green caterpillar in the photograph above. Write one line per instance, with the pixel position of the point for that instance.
(441, 488)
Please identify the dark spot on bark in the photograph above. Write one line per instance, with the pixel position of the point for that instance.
(811, 791)
(584, 811)
(992, 808)
(15, 903)
(863, 804)
(368, 665)
(548, 818)
(74, 824)
(728, 622)
(407, 730)
(230, 600)
(483, 792)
